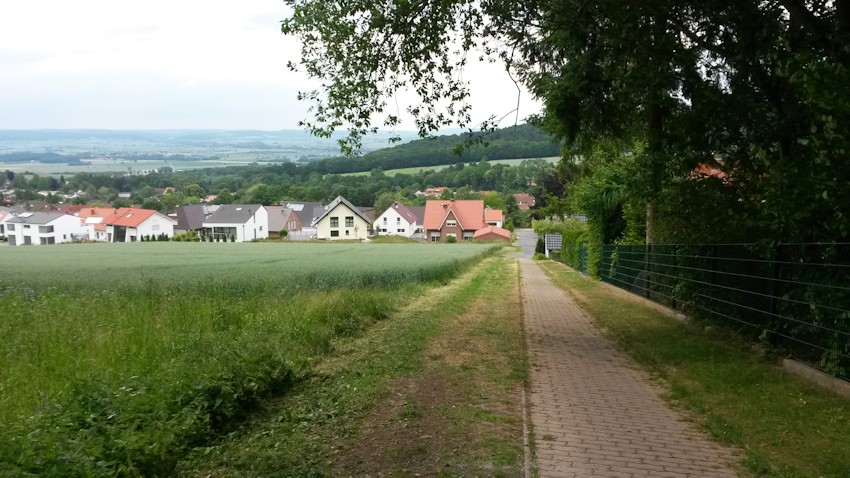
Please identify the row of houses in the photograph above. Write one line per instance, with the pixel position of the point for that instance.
(438, 220)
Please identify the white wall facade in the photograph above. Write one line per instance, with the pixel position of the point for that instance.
(256, 227)
(391, 223)
(348, 225)
(60, 230)
(156, 225)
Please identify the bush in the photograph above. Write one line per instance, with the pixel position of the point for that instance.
(451, 239)
(540, 248)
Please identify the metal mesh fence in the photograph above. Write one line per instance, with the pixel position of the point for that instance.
(792, 296)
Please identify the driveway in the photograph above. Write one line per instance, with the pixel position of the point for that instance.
(527, 241)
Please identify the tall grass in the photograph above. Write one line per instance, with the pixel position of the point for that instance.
(119, 369)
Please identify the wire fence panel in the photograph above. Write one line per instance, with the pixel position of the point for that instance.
(792, 296)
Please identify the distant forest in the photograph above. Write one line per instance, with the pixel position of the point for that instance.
(515, 142)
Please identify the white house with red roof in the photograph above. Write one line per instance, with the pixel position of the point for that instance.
(397, 220)
(130, 224)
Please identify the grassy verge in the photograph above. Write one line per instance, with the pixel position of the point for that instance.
(785, 426)
(433, 389)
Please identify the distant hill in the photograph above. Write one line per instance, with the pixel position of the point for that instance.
(515, 142)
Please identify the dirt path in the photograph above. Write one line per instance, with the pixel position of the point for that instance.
(593, 413)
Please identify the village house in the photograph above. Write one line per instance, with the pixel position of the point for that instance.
(238, 222)
(342, 220)
(91, 219)
(458, 219)
(191, 217)
(42, 228)
(431, 192)
(493, 217)
(453, 218)
(303, 227)
(130, 224)
(397, 220)
(282, 218)
(524, 201)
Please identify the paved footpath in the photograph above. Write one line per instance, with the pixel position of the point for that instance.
(592, 411)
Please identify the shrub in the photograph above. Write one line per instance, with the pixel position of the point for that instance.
(540, 248)
(451, 239)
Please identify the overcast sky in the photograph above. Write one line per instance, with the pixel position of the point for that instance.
(161, 64)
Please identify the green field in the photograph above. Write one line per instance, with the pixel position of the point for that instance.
(393, 172)
(117, 358)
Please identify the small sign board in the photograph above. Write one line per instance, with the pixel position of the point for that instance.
(552, 242)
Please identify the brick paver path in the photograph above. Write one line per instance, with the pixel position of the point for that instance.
(592, 411)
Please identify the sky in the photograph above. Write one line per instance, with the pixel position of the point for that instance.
(170, 64)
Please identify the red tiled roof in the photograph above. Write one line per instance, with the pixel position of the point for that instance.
(493, 215)
(469, 213)
(524, 198)
(492, 233)
(129, 217)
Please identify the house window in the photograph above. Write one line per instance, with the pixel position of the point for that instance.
(334, 233)
(10, 227)
(45, 229)
(400, 230)
(261, 228)
(435, 236)
(398, 220)
(26, 226)
(385, 219)
(334, 222)
(346, 232)
(349, 221)
(467, 235)
(451, 223)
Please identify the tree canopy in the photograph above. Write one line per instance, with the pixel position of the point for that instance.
(756, 89)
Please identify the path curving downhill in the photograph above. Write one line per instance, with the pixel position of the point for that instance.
(593, 413)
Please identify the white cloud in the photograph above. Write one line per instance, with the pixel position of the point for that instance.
(159, 64)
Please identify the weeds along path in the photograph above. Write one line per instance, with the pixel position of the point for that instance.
(433, 389)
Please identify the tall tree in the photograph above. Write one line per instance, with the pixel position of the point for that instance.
(762, 86)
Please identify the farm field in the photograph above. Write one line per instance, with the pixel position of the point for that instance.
(116, 358)
(393, 172)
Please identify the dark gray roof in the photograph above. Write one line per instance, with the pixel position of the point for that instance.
(192, 217)
(233, 213)
(278, 215)
(419, 212)
(336, 202)
(34, 218)
(307, 211)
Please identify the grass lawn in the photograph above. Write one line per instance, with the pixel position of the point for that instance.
(785, 426)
